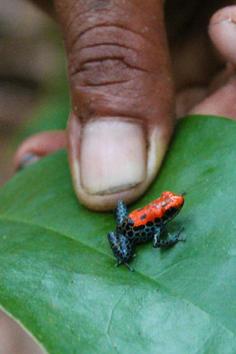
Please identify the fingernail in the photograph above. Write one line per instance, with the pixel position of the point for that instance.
(113, 156)
(27, 160)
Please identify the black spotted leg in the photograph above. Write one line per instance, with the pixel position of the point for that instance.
(165, 243)
(157, 237)
(121, 212)
(122, 248)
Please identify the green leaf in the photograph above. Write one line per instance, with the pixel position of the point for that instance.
(57, 274)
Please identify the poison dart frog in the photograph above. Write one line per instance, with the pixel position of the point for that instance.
(143, 225)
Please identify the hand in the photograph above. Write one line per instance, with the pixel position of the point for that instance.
(122, 77)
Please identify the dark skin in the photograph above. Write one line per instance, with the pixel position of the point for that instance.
(131, 73)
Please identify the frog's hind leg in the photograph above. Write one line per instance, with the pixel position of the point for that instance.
(122, 248)
(121, 212)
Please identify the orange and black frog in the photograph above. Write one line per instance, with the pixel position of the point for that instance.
(143, 225)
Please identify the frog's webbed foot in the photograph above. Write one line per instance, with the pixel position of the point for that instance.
(131, 269)
(126, 264)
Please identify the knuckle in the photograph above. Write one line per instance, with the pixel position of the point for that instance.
(112, 67)
(103, 55)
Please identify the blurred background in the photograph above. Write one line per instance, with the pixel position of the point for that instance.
(32, 77)
(33, 97)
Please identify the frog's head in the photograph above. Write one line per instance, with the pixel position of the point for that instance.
(172, 204)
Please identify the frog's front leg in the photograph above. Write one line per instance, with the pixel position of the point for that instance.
(164, 243)
(157, 237)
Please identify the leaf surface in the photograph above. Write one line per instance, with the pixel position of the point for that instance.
(57, 274)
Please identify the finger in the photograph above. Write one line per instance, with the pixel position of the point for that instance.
(222, 31)
(122, 96)
(221, 103)
(38, 146)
